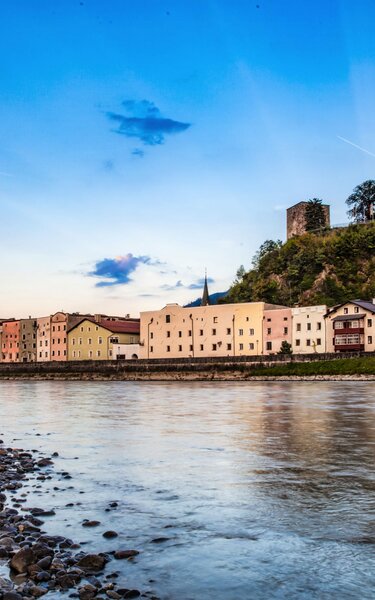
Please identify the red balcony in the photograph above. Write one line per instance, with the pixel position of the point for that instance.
(347, 330)
(349, 347)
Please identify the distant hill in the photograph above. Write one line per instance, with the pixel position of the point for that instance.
(327, 268)
(214, 298)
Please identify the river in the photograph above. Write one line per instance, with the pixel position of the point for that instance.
(229, 490)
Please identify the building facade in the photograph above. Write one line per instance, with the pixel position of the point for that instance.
(93, 340)
(10, 340)
(351, 326)
(43, 339)
(308, 329)
(277, 328)
(28, 339)
(203, 331)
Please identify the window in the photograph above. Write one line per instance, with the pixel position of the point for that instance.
(58, 353)
(96, 328)
(40, 343)
(319, 326)
(251, 346)
(180, 348)
(180, 334)
(151, 348)
(369, 322)
(190, 333)
(298, 327)
(151, 335)
(346, 310)
(58, 328)
(201, 332)
(285, 331)
(191, 348)
(167, 318)
(369, 339)
(46, 343)
(90, 353)
(168, 348)
(251, 331)
(241, 346)
(298, 342)
(201, 347)
(214, 332)
(308, 342)
(240, 332)
(98, 353)
(356, 309)
(247, 318)
(285, 318)
(269, 346)
(215, 319)
(168, 334)
(74, 353)
(318, 342)
(229, 346)
(228, 330)
(269, 331)
(53, 328)
(213, 346)
(73, 341)
(81, 328)
(80, 341)
(308, 327)
(269, 320)
(40, 354)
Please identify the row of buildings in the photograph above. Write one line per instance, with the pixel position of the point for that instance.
(253, 328)
(65, 336)
(246, 329)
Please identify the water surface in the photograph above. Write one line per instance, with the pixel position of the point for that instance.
(251, 490)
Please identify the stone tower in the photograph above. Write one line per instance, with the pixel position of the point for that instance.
(295, 219)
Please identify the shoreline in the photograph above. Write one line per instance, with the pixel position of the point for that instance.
(39, 563)
(185, 377)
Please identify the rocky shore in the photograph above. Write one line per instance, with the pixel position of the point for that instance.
(41, 564)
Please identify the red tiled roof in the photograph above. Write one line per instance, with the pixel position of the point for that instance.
(131, 326)
(120, 326)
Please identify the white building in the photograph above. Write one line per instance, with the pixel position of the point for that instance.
(308, 329)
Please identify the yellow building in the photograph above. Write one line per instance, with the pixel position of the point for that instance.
(218, 330)
(95, 340)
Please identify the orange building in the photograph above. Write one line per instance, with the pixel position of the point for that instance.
(10, 341)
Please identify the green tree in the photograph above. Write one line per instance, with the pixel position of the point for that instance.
(315, 217)
(362, 202)
(285, 348)
(266, 248)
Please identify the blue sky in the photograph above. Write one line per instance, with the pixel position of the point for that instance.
(144, 141)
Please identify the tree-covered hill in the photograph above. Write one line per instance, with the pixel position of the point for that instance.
(326, 268)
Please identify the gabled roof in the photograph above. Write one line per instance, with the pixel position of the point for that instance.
(131, 326)
(364, 304)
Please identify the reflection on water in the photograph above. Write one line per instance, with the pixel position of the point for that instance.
(246, 490)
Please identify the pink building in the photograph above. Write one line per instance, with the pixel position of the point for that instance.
(10, 341)
(277, 327)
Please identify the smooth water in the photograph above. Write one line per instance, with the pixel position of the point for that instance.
(251, 490)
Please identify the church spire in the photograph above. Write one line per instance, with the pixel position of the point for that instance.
(206, 297)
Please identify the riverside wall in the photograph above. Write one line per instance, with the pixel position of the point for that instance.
(224, 368)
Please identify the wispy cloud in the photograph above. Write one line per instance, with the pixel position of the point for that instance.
(356, 146)
(144, 121)
(196, 285)
(117, 271)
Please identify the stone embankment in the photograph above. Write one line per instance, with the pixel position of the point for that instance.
(231, 368)
(40, 563)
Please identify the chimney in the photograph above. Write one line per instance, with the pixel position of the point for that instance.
(98, 318)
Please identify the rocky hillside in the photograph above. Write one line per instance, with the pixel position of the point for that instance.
(329, 268)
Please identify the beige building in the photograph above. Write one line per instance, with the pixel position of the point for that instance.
(28, 338)
(43, 339)
(308, 329)
(218, 330)
(351, 326)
